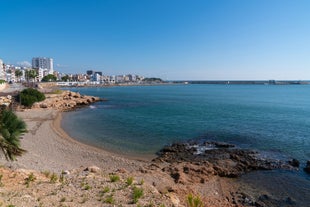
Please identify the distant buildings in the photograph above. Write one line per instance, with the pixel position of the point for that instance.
(44, 66)
(2, 72)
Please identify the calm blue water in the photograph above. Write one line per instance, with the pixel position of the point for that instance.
(140, 120)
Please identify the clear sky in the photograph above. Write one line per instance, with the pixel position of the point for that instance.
(170, 39)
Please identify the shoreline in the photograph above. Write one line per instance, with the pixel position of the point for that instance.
(56, 126)
(49, 147)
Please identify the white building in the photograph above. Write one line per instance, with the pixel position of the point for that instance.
(43, 63)
(41, 73)
(2, 73)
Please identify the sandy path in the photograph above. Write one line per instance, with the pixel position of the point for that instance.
(49, 148)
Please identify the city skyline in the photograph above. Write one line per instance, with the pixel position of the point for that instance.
(172, 40)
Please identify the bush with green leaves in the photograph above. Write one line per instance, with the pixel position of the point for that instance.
(49, 78)
(29, 96)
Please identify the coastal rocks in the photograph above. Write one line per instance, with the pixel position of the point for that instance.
(294, 163)
(5, 100)
(67, 100)
(197, 162)
(307, 168)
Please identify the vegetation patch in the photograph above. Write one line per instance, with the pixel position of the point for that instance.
(109, 199)
(11, 127)
(129, 181)
(29, 96)
(29, 179)
(1, 184)
(49, 78)
(137, 193)
(54, 178)
(114, 178)
(194, 201)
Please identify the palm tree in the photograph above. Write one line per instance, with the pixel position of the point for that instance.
(31, 74)
(11, 127)
(18, 74)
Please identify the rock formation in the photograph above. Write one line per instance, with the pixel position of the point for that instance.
(197, 162)
(67, 100)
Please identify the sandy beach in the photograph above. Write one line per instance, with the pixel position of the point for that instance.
(50, 148)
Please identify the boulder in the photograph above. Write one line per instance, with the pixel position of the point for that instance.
(43, 105)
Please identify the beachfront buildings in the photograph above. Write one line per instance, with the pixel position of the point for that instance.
(44, 66)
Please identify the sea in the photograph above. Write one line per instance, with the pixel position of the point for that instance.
(139, 120)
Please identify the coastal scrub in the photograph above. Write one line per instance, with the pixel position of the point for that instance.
(29, 96)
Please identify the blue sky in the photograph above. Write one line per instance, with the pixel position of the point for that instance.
(170, 39)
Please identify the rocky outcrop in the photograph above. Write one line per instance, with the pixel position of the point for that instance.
(67, 100)
(197, 162)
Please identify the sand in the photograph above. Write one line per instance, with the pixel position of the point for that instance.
(50, 148)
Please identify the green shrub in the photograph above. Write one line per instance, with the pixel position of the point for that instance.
(114, 178)
(129, 181)
(194, 201)
(54, 178)
(137, 193)
(29, 96)
(104, 191)
(109, 199)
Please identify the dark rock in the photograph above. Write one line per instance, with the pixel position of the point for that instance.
(307, 168)
(223, 145)
(294, 163)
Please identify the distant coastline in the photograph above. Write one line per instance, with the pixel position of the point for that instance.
(243, 82)
(219, 82)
